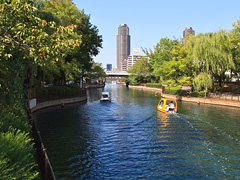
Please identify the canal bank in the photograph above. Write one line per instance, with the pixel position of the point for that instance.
(46, 171)
(60, 103)
(203, 100)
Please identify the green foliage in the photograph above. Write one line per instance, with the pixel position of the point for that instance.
(198, 94)
(235, 39)
(125, 79)
(160, 54)
(80, 60)
(201, 94)
(28, 44)
(177, 90)
(96, 71)
(185, 80)
(156, 85)
(25, 45)
(171, 63)
(16, 151)
(211, 52)
(58, 89)
(173, 90)
(14, 117)
(141, 70)
(170, 82)
(202, 81)
(16, 156)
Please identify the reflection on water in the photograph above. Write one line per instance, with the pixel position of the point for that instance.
(129, 139)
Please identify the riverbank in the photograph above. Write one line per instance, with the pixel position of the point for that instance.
(46, 171)
(202, 100)
(95, 86)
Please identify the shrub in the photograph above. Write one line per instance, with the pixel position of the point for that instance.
(58, 89)
(136, 84)
(194, 94)
(16, 151)
(183, 93)
(16, 158)
(198, 94)
(173, 90)
(201, 94)
(157, 85)
(14, 117)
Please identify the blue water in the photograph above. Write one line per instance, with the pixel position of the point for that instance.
(129, 139)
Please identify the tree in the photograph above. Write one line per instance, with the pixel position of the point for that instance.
(235, 39)
(202, 81)
(25, 45)
(80, 60)
(180, 69)
(160, 54)
(142, 70)
(96, 71)
(211, 52)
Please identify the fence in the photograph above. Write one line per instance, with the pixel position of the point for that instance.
(50, 96)
(42, 157)
(225, 96)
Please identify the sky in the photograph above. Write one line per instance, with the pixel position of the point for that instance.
(151, 20)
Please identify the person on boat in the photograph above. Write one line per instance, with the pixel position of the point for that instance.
(160, 106)
(170, 106)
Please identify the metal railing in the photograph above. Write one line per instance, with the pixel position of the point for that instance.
(225, 96)
(41, 154)
(42, 157)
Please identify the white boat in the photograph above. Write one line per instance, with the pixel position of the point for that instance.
(105, 96)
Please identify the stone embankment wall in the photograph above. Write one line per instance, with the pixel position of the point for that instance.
(215, 101)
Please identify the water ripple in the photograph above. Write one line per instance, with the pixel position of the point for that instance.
(129, 139)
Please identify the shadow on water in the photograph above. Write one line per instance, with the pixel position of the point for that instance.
(129, 139)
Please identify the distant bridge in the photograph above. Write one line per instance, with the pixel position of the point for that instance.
(115, 76)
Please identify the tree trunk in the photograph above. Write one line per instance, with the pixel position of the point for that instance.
(220, 81)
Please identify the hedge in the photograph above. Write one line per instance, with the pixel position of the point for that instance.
(156, 85)
(60, 89)
(198, 94)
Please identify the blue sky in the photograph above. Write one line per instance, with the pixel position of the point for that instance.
(151, 20)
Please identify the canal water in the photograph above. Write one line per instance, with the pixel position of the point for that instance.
(129, 139)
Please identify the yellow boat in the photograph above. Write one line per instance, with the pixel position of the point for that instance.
(167, 105)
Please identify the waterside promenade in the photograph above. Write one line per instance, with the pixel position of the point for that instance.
(203, 100)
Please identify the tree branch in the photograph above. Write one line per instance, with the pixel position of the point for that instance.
(16, 42)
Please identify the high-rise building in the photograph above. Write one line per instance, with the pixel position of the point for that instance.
(123, 45)
(109, 67)
(188, 30)
(131, 60)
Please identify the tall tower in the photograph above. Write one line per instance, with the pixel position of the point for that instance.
(123, 45)
(188, 30)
